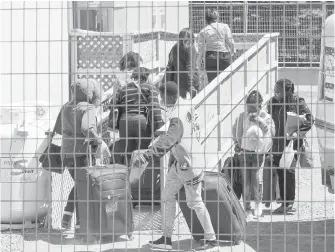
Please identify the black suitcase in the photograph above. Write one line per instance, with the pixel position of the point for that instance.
(147, 190)
(111, 208)
(227, 215)
(231, 165)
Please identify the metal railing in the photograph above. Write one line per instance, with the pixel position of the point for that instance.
(298, 23)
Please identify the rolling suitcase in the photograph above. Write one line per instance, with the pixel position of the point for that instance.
(231, 165)
(145, 183)
(227, 215)
(112, 212)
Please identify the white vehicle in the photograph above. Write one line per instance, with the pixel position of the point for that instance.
(325, 108)
(25, 186)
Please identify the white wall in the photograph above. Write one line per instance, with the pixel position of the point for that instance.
(34, 52)
(301, 76)
(176, 14)
(133, 16)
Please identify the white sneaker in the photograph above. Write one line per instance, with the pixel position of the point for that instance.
(250, 216)
(258, 210)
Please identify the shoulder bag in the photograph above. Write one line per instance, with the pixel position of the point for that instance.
(51, 158)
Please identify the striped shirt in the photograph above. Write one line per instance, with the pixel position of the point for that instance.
(136, 98)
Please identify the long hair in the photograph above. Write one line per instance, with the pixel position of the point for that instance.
(185, 35)
(289, 97)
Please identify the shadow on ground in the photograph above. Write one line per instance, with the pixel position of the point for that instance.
(301, 236)
(274, 236)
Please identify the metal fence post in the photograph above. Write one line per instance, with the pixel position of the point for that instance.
(245, 16)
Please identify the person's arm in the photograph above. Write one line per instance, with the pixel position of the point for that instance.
(169, 67)
(58, 125)
(89, 124)
(269, 107)
(165, 142)
(114, 107)
(190, 58)
(237, 129)
(308, 120)
(233, 131)
(272, 127)
(230, 40)
(153, 104)
(201, 49)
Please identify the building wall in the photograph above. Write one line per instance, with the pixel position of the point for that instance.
(301, 76)
(135, 16)
(34, 52)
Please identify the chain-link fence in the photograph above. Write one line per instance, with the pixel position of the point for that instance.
(47, 46)
(298, 23)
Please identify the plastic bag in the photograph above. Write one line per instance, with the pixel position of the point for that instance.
(135, 171)
(287, 157)
(306, 156)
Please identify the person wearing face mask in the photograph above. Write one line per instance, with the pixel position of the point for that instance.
(252, 134)
(286, 100)
(181, 67)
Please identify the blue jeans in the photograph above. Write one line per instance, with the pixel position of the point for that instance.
(216, 63)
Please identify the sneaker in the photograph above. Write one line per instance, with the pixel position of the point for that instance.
(162, 243)
(208, 244)
(77, 224)
(250, 216)
(258, 210)
(284, 209)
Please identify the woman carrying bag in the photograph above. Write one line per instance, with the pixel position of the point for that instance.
(285, 100)
(79, 130)
(216, 44)
(181, 68)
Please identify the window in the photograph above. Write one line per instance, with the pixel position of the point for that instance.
(93, 16)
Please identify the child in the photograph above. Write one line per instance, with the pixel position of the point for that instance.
(252, 133)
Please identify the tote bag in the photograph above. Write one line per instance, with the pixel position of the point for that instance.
(287, 157)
